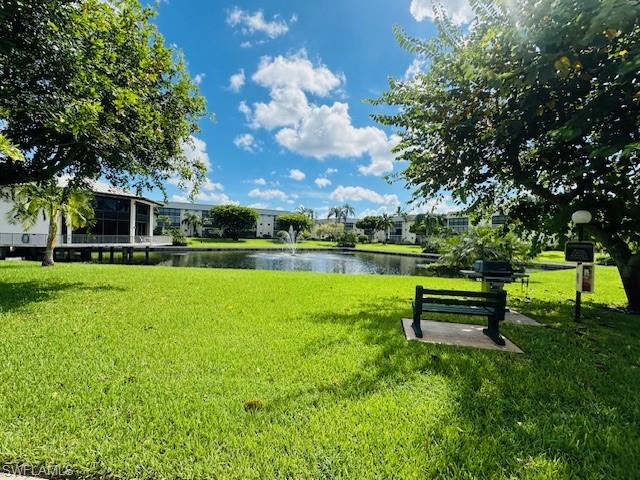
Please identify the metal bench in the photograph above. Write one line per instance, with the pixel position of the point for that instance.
(486, 304)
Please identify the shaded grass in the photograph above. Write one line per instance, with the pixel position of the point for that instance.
(145, 371)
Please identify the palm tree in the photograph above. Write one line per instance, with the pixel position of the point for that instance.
(348, 210)
(309, 212)
(192, 221)
(335, 212)
(385, 223)
(30, 201)
(163, 221)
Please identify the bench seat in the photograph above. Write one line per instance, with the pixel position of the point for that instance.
(457, 309)
(490, 304)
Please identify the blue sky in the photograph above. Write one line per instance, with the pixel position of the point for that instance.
(286, 81)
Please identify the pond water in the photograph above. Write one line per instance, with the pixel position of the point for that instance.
(325, 262)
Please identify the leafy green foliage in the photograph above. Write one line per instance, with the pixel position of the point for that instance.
(347, 239)
(89, 88)
(233, 219)
(329, 230)
(178, 238)
(485, 243)
(533, 112)
(299, 221)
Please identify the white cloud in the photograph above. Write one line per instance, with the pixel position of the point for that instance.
(215, 197)
(198, 79)
(196, 149)
(179, 198)
(322, 182)
(268, 194)
(357, 194)
(297, 175)
(298, 72)
(252, 22)
(382, 157)
(258, 205)
(459, 10)
(246, 142)
(209, 186)
(330, 171)
(314, 130)
(418, 65)
(245, 110)
(236, 81)
(259, 181)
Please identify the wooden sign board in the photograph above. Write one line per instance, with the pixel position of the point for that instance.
(582, 252)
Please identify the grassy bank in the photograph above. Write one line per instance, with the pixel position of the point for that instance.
(268, 243)
(146, 372)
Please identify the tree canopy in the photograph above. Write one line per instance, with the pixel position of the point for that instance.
(88, 88)
(533, 111)
(233, 219)
(299, 221)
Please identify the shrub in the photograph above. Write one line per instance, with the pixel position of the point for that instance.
(362, 238)
(177, 237)
(347, 239)
(484, 243)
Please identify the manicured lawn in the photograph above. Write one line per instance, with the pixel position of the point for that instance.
(252, 243)
(557, 256)
(267, 243)
(126, 371)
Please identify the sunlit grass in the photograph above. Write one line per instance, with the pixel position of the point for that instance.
(269, 243)
(145, 372)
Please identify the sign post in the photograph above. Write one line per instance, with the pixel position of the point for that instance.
(580, 252)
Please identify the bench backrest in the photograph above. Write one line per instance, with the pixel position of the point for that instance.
(496, 298)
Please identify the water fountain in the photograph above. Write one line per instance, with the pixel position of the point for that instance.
(290, 240)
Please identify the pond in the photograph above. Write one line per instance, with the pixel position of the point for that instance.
(324, 262)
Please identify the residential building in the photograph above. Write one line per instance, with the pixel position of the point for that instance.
(121, 217)
(177, 212)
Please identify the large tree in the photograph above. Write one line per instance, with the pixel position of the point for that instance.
(233, 219)
(533, 111)
(88, 88)
(299, 221)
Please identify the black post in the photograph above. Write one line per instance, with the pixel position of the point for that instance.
(146, 254)
(99, 254)
(578, 292)
(111, 252)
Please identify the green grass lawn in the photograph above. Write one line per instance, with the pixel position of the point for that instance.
(268, 243)
(557, 256)
(144, 372)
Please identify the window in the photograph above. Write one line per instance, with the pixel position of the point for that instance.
(112, 216)
(143, 213)
(172, 213)
(498, 220)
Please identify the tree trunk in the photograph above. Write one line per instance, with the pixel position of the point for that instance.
(47, 261)
(628, 264)
(630, 275)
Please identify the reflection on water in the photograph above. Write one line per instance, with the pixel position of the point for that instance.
(326, 262)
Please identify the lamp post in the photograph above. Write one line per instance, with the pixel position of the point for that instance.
(580, 218)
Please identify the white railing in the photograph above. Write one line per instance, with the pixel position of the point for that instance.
(40, 240)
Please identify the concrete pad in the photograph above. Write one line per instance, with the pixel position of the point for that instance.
(511, 316)
(460, 334)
